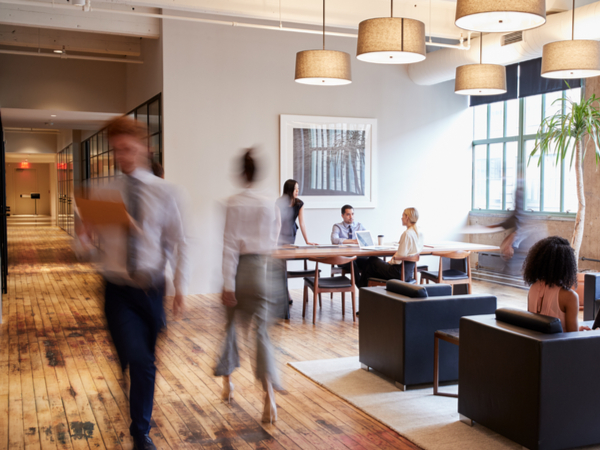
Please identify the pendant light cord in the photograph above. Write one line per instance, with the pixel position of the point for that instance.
(323, 24)
(392, 12)
(573, 23)
(480, 48)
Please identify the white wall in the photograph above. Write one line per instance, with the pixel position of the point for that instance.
(64, 138)
(145, 81)
(44, 187)
(61, 84)
(224, 89)
(24, 142)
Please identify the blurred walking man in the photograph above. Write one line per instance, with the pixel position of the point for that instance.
(133, 265)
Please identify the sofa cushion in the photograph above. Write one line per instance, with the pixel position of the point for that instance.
(406, 289)
(529, 320)
(438, 290)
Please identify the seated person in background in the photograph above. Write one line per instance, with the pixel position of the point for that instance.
(411, 243)
(345, 233)
(551, 270)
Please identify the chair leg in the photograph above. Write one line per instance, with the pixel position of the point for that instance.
(320, 302)
(315, 307)
(353, 305)
(469, 287)
(343, 304)
(304, 300)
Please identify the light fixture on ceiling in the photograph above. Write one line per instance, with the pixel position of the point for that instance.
(500, 16)
(577, 58)
(52, 115)
(323, 67)
(480, 79)
(78, 2)
(391, 40)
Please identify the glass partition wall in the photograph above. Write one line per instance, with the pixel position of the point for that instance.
(98, 159)
(64, 167)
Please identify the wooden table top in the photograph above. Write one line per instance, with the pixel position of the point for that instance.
(305, 252)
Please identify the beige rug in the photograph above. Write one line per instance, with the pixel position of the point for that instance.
(429, 421)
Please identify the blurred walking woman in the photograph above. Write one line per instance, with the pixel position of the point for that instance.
(251, 229)
(291, 208)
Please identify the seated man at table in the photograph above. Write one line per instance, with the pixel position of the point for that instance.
(345, 233)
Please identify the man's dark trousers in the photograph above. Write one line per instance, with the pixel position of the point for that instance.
(135, 317)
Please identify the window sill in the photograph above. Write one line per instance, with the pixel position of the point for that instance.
(533, 216)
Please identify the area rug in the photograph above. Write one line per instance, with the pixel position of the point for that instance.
(429, 421)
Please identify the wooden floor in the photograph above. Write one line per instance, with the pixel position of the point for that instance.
(61, 386)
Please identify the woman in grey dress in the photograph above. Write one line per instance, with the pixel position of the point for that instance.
(251, 229)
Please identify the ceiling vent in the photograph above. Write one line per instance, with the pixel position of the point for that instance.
(512, 38)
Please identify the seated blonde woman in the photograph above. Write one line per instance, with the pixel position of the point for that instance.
(551, 270)
(411, 243)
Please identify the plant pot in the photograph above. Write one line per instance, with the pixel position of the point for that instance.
(580, 288)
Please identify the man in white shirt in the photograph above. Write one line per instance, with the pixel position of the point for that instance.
(345, 233)
(133, 260)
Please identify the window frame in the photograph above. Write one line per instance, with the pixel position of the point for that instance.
(521, 140)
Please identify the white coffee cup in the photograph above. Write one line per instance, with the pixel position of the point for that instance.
(380, 239)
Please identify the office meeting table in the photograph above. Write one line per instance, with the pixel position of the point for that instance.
(322, 251)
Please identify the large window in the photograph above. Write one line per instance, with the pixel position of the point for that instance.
(504, 136)
(98, 159)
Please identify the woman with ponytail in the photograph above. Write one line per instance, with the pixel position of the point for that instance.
(251, 229)
(411, 243)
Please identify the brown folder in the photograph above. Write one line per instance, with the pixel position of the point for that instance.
(102, 212)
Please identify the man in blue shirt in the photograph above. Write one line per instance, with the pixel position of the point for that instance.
(345, 233)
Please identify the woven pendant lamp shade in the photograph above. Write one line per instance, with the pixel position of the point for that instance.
(391, 40)
(480, 79)
(323, 67)
(496, 16)
(571, 59)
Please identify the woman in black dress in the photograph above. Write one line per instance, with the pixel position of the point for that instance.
(291, 208)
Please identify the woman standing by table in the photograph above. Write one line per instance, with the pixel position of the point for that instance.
(411, 243)
(291, 208)
(251, 228)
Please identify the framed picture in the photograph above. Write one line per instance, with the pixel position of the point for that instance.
(331, 158)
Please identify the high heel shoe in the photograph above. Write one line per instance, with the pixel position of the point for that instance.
(270, 411)
(227, 394)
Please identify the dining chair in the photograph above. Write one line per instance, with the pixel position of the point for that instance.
(335, 270)
(381, 282)
(300, 274)
(341, 284)
(451, 276)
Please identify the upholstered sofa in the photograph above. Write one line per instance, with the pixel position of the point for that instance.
(539, 389)
(396, 328)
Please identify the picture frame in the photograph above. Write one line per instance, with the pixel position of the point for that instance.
(333, 159)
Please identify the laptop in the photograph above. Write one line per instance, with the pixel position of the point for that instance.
(365, 242)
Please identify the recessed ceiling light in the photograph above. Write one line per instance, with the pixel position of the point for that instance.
(58, 51)
(52, 115)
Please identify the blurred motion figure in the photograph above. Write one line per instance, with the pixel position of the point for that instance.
(133, 260)
(252, 226)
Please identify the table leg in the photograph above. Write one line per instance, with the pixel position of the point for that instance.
(436, 360)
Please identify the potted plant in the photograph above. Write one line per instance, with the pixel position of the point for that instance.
(568, 134)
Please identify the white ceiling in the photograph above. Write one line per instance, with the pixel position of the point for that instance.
(67, 120)
(339, 13)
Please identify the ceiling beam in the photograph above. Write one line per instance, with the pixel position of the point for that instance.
(72, 41)
(74, 19)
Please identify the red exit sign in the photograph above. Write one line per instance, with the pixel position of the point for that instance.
(24, 165)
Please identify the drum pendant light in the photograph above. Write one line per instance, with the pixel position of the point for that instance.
(323, 67)
(391, 40)
(480, 79)
(500, 16)
(571, 59)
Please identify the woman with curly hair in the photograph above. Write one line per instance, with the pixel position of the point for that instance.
(551, 270)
